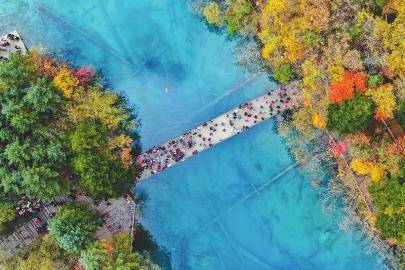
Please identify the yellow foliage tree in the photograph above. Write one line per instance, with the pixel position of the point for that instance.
(213, 14)
(318, 121)
(385, 99)
(360, 167)
(282, 28)
(68, 84)
(374, 170)
(302, 121)
(317, 14)
(392, 37)
(95, 105)
(312, 87)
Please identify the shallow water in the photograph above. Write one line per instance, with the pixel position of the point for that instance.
(240, 205)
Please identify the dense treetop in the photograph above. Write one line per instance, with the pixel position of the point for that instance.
(74, 226)
(115, 253)
(60, 128)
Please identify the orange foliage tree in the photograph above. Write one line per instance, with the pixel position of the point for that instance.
(347, 86)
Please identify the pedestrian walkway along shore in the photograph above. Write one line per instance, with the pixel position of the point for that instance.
(225, 126)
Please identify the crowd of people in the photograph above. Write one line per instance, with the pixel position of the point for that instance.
(28, 205)
(9, 44)
(210, 133)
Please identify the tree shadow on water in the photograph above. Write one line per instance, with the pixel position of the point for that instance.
(144, 243)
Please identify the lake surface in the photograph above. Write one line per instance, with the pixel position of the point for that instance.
(242, 204)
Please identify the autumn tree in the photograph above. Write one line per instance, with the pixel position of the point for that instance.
(115, 253)
(385, 100)
(317, 13)
(213, 14)
(68, 83)
(99, 106)
(346, 87)
(391, 36)
(283, 74)
(240, 18)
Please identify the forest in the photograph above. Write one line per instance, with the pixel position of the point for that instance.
(63, 132)
(347, 59)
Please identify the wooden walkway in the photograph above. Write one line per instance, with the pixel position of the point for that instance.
(394, 128)
(225, 126)
(118, 215)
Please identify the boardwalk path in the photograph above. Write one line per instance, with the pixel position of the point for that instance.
(225, 126)
(118, 215)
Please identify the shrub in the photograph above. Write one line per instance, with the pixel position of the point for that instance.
(374, 80)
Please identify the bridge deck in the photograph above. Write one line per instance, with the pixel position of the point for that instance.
(237, 120)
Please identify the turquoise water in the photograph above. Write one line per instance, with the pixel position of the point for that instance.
(240, 205)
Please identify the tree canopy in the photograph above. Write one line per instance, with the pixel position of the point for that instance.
(100, 173)
(239, 17)
(213, 14)
(353, 116)
(389, 196)
(44, 254)
(74, 226)
(115, 254)
(44, 105)
(31, 152)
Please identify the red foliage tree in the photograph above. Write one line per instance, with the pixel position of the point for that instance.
(347, 86)
(84, 74)
(338, 149)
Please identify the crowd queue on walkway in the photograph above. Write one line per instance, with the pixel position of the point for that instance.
(245, 116)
